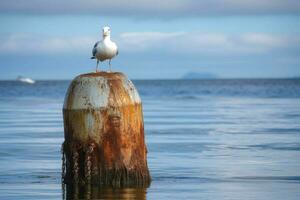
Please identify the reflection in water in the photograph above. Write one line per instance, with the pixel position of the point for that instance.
(73, 191)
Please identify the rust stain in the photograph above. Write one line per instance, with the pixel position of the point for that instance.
(109, 75)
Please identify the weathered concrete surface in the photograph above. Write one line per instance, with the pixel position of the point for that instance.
(104, 132)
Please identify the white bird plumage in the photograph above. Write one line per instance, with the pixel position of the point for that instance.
(104, 49)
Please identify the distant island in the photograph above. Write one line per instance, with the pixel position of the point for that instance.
(199, 75)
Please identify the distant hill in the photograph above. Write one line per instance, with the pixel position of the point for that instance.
(199, 75)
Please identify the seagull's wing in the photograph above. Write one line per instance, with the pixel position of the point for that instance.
(96, 44)
(95, 50)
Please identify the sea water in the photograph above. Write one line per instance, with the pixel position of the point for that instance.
(207, 139)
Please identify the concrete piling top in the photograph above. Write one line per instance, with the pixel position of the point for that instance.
(99, 90)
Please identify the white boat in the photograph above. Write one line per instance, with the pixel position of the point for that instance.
(25, 80)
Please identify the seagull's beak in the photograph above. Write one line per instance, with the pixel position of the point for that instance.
(105, 33)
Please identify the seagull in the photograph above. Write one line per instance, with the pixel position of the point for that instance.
(105, 49)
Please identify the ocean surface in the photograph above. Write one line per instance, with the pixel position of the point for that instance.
(207, 139)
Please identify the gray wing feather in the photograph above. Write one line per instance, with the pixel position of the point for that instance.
(95, 49)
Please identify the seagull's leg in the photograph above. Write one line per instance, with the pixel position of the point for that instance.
(97, 65)
(109, 65)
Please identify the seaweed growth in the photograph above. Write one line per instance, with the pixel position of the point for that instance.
(80, 166)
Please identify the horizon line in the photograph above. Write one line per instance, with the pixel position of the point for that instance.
(166, 79)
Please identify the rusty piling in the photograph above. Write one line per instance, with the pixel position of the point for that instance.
(104, 132)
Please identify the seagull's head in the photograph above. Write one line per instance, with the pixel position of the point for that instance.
(106, 31)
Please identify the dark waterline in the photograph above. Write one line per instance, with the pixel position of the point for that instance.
(207, 139)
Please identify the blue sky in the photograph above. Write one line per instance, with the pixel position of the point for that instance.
(157, 39)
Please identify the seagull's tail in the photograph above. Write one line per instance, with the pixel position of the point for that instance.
(93, 57)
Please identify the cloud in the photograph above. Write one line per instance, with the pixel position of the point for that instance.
(25, 43)
(153, 8)
(207, 43)
(142, 41)
(166, 43)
